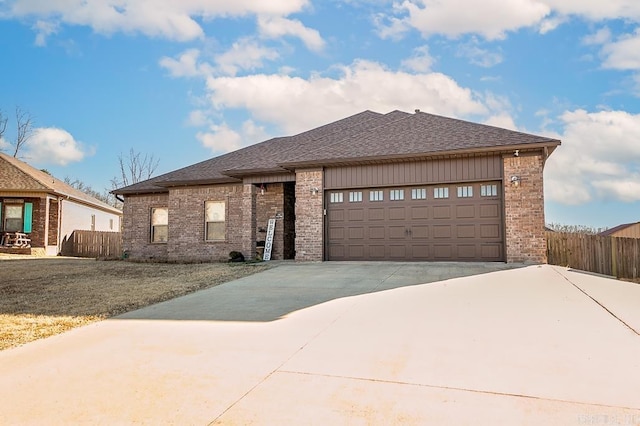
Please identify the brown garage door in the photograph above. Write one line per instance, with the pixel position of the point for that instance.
(435, 222)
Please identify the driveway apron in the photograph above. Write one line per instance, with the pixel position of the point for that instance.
(348, 343)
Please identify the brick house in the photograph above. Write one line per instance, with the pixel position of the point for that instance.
(47, 209)
(372, 186)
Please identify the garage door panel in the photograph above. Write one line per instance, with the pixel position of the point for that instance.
(356, 233)
(419, 232)
(336, 251)
(376, 213)
(356, 251)
(419, 212)
(444, 229)
(397, 213)
(377, 232)
(419, 252)
(356, 215)
(442, 251)
(465, 231)
(397, 232)
(442, 212)
(397, 252)
(336, 215)
(465, 212)
(336, 233)
(490, 211)
(467, 251)
(491, 252)
(377, 251)
(490, 231)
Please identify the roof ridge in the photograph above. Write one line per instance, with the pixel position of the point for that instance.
(369, 130)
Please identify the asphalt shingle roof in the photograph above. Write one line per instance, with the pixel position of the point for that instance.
(366, 135)
(16, 175)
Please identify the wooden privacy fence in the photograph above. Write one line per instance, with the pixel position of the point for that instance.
(96, 244)
(619, 257)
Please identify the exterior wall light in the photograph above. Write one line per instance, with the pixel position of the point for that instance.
(515, 181)
(314, 191)
(263, 189)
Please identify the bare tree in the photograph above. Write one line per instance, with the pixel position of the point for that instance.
(24, 129)
(104, 196)
(3, 124)
(135, 168)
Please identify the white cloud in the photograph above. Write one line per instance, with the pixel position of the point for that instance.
(221, 138)
(477, 55)
(490, 18)
(244, 54)
(493, 19)
(420, 61)
(186, 65)
(297, 104)
(597, 10)
(277, 26)
(4, 144)
(43, 30)
(599, 158)
(503, 120)
(602, 36)
(624, 53)
(170, 19)
(50, 145)
(550, 24)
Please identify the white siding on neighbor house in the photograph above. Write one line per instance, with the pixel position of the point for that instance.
(77, 216)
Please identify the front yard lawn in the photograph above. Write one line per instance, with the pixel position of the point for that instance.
(47, 296)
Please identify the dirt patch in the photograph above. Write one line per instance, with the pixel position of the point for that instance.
(41, 297)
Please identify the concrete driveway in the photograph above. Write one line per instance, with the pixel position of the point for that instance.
(349, 343)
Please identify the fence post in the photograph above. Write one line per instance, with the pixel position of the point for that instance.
(614, 257)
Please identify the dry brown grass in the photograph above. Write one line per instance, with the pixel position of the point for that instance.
(41, 297)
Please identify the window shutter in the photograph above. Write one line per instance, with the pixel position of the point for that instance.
(28, 214)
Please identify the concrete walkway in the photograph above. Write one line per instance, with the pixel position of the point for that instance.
(349, 343)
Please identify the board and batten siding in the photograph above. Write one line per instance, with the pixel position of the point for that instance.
(481, 168)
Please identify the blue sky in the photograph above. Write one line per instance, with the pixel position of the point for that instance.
(188, 80)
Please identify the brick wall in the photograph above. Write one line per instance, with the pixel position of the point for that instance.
(38, 221)
(187, 223)
(247, 222)
(524, 210)
(309, 214)
(53, 222)
(136, 227)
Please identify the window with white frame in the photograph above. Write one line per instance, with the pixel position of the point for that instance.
(441, 192)
(419, 194)
(159, 224)
(215, 225)
(13, 218)
(488, 190)
(465, 191)
(355, 196)
(336, 197)
(376, 195)
(396, 194)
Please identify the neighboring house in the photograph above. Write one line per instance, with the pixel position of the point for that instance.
(372, 186)
(47, 209)
(627, 230)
